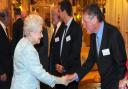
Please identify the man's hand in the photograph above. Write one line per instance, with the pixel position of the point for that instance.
(3, 77)
(71, 77)
(127, 84)
(59, 68)
(68, 78)
(123, 84)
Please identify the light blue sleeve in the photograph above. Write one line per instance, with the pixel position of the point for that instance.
(32, 64)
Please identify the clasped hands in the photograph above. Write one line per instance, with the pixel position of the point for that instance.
(123, 84)
(68, 78)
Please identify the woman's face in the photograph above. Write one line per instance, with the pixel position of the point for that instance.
(37, 35)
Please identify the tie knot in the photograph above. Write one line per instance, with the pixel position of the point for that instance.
(65, 26)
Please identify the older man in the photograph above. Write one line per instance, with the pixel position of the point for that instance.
(4, 52)
(17, 29)
(56, 40)
(107, 49)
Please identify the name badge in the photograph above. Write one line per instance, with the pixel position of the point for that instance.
(56, 39)
(105, 52)
(68, 38)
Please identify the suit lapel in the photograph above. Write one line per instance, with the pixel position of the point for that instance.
(60, 30)
(69, 30)
(3, 32)
(70, 27)
(104, 39)
(58, 33)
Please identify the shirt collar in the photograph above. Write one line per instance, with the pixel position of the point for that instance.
(69, 22)
(59, 23)
(4, 27)
(100, 31)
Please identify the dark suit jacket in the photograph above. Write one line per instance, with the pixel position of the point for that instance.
(55, 49)
(5, 59)
(111, 66)
(4, 52)
(70, 55)
(42, 49)
(17, 31)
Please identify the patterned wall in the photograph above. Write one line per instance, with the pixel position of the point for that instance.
(117, 14)
(3, 4)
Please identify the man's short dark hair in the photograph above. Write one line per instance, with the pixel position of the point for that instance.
(3, 13)
(94, 10)
(17, 11)
(66, 5)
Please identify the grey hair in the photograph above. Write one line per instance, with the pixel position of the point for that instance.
(31, 23)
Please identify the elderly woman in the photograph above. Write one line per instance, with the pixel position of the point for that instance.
(27, 68)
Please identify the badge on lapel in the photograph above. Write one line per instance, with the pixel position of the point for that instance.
(56, 39)
(68, 38)
(105, 52)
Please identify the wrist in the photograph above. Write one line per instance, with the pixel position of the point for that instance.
(76, 77)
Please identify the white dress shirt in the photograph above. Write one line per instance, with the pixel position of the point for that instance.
(58, 26)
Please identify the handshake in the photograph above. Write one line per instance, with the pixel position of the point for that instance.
(68, 78)
(123, 84)
(65, 80)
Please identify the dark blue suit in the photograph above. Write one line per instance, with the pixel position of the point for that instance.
(111, 65)
(5, 58)
(70, 55)
(55, 49)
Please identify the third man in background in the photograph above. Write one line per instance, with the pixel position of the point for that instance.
(17, 28)
(70, 46)
(55, 40)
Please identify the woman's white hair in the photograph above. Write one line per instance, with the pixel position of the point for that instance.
(31, 23)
